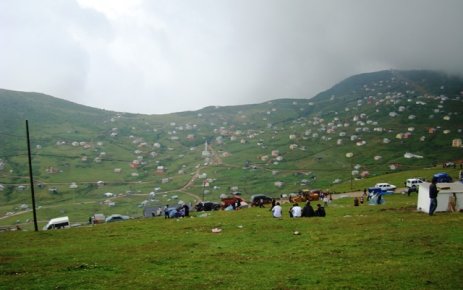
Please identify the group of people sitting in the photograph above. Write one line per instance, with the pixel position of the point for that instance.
(296, 211)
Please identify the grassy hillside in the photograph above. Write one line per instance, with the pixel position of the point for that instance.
(382, 247)
(394, 123)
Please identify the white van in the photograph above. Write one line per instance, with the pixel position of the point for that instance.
(57, 223)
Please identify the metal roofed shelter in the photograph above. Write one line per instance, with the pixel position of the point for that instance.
(445, 190)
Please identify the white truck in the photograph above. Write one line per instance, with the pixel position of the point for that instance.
(412, 185)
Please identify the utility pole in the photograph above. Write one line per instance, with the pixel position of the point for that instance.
(350, 155)
(204, 188)
(351, 176)
(31, 176)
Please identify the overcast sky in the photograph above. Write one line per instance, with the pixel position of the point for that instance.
(158, 57)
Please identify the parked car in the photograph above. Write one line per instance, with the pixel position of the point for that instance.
(442, 177)
(207, 206)
(227, 201)
(386, 187)
(257, 197)
(116, 218)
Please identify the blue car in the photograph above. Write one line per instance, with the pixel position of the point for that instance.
(442, 177)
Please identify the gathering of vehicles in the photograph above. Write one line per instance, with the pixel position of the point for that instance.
(235, 201)
(64, 223)
(412, 184)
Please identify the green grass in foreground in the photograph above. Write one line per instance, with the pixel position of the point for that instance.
(384, 247)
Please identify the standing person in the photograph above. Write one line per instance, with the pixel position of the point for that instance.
(296, 211)
(276, 210)
(166, 212)
(452, 202)
(379, 198)
(273, 203)
(433, 196)
(326, 200)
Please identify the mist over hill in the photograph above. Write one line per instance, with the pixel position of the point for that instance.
(388, 121)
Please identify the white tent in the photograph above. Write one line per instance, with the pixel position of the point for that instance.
(445, 190)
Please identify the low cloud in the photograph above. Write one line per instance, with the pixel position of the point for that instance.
(168, 56)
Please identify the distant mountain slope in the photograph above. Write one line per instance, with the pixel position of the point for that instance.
(40, 109)
(44, 113)
(422, 82)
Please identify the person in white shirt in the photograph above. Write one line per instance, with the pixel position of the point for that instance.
(296, 211)
(326, 200)
(276, 210)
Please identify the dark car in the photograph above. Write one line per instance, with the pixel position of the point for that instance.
(257, 197)
(207, 206)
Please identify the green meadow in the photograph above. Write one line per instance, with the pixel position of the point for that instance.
(389, 246)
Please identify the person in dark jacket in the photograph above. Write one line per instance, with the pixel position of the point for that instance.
(273, 203)
(320, 212)
(433, 196)
(166, 211)
(308, 211)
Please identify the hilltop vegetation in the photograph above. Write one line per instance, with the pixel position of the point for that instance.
(391, 121)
